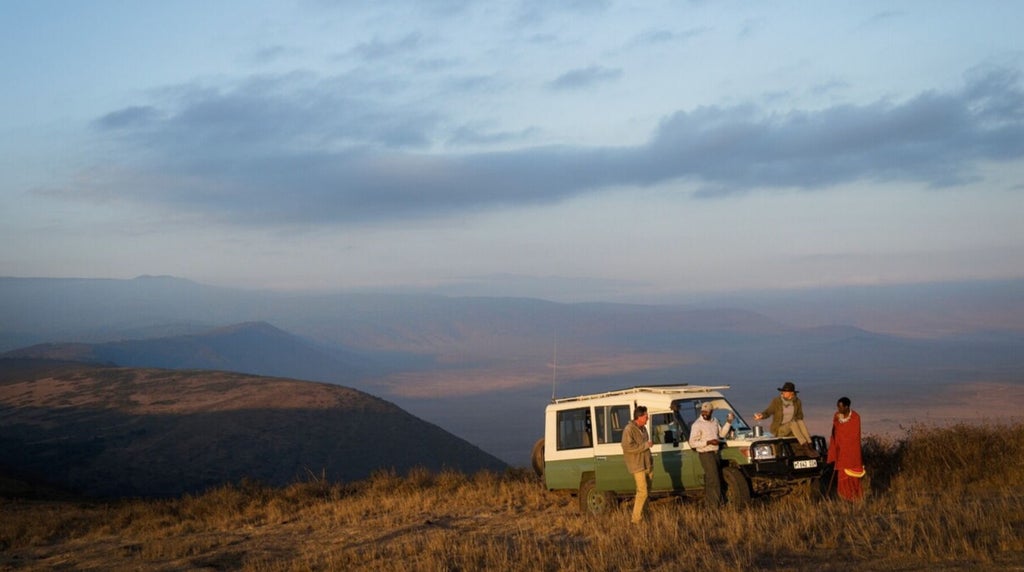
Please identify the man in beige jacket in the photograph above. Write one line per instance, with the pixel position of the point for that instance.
(636, 449)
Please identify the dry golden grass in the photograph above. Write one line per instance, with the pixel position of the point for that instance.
(941, 499)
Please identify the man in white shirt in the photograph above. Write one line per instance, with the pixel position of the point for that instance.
(704, 437)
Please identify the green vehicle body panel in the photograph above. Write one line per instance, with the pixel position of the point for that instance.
(734, 455)
(567, 474)
(612, 474)
(674, 470)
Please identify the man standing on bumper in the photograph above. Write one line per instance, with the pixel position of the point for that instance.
(787, 413)
(704, 436)
(636, 448)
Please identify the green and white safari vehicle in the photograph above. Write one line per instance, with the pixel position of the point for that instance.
(581, 450)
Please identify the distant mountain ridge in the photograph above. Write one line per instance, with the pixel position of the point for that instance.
(252, 347)
(115, 432)
(38, 310)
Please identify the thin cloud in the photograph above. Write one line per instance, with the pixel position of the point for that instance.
(662, 36)
(471, 135)
(829, 87)
(535, 12)
(378, 49)
(883, 18)
(128, 117)
(272, 54)
(583, 78)
(272, 114)
(269, 154)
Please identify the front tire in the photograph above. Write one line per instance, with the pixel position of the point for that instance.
(594, 502)
(737, 489)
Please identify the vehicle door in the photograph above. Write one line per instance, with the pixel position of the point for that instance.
(684, 413)
(609, 464)
(670, 449)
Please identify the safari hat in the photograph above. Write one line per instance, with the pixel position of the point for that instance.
(788, 386)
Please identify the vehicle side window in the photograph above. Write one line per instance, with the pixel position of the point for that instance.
(689, 412)
(611, 421)
(664, 428)
(573, 429)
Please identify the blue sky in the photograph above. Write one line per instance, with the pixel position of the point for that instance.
(573, 150)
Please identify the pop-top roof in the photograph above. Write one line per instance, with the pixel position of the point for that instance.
(674, 389)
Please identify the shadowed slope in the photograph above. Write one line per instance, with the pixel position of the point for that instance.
(146, 432)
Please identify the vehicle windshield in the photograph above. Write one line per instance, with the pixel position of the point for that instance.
(688, 410)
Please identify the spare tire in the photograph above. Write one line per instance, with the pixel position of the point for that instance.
(537, 457)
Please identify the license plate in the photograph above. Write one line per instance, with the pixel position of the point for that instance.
(808, 464)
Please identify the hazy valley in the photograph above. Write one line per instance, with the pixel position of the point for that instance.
(483, 368)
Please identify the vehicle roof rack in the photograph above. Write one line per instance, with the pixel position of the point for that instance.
(667, 389)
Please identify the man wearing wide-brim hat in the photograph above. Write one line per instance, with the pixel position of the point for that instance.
(787, 413)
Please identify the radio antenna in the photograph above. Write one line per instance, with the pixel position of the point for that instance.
(554, 368)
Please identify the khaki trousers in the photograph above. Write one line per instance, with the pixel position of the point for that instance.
(797, 429)
(643, 482)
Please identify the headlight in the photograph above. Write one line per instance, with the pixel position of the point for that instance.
(763, 451)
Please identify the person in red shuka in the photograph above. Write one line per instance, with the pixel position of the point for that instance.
(844, 450)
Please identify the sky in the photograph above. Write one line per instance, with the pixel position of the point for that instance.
(573, 150)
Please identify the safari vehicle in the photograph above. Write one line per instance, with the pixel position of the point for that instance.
(581, 450)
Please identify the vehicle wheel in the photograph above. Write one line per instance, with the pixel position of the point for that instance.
(594, 502)
(537, 457)
(737, 489)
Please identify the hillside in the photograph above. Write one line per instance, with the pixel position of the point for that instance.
(111, 431)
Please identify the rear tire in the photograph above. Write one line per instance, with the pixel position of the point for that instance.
(594, 502)
(737, 489)
(537, 457)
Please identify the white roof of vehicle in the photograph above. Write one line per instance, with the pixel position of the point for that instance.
(661, 391)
